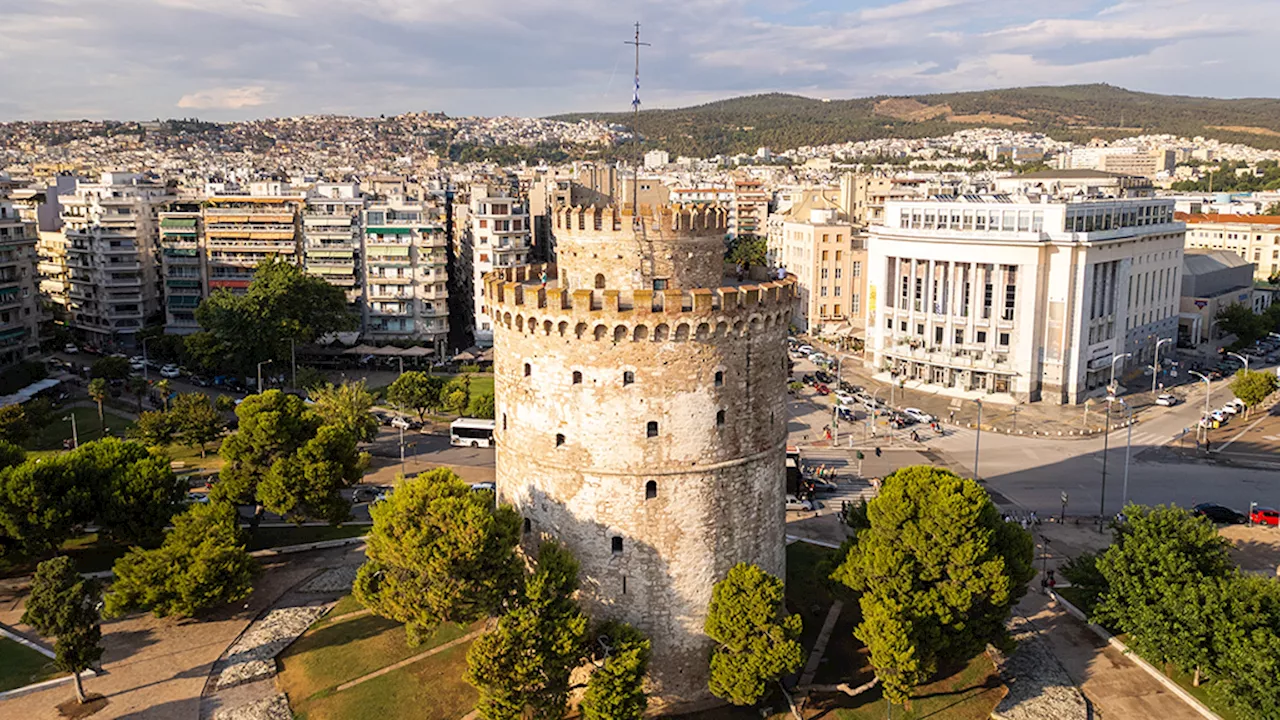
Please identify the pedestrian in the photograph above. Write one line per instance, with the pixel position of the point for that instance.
(877, 452)
(951, 416)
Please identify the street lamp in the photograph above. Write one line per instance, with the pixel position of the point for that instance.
(264, 362)
(146, 375)
(1155, 366)
(1106, 439)
(1128, 443)
(75, 436)
(1242, 358)
(1208, 389)
(977, 440)
(1111, 387)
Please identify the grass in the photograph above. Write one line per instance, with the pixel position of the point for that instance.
(346, 604)
(20, 665)
(809, 592)
(332, 653)
(51, 436)
(430, 689)
(970, 693)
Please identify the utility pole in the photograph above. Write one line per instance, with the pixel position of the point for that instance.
(75, 436)
(635, 125)
(977, 441)
(1155, 366)
(293, 362)
(264, 362)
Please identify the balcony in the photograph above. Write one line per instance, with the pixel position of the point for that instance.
(389, 279)
(389, 294)
(402, 311)
(122, 282)
(121, 266)
(274, 245)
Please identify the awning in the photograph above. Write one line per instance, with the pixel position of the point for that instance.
(376, 230)
(360, 350)
(417, 351)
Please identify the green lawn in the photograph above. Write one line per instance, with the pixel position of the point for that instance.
(970, 693)
(51, 436)
(809, 592)
(20, 665)
(331, 653)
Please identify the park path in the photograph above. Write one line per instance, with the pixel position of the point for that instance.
(156, 667)
(1113, 683)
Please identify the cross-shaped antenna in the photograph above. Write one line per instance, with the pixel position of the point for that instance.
(635, 126)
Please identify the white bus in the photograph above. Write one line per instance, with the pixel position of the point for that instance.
(474, 432)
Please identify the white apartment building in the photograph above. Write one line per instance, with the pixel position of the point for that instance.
(656, 159)
(499, 227)
(113, 279)
(749, 211)
(1030, 297)
(331, 237)
(1256, 238)
(404, 257)
(19, 311)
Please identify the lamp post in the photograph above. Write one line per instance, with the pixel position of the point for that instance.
(293, 362)
(264, 362)
(75, 436)
(146, 375)
(1106, 439)
(1111, 387)
(977, 441)
(1155, 366)
(1242, 359)
(1208, 389)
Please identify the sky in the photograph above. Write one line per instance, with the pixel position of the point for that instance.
(242, 59)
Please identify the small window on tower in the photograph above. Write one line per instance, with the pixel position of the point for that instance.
(651, 430)
(599, 281)
(616, 543)
(528, 525)
(719, 418)
(504, 421)
(628, 377)
(577, 377)
(528, 369)
(650, 490)
(719, 378)
(559, 439)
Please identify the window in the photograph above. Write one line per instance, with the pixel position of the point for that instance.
(650, 490)
(824, 256)
(528, 369)
(959, 337)
(528, 525)
(660, 284)
(559, 439)
(1004, 339)
(920, 329)
(981, 336)
(719, 378)
(838, 273)
(823, 274)
(577, 377)
(937, 335)
(719, 418)
(504, 421)
(838, 254)
(857, 268)
(836, 310)
(599, 281)
(836, 292)
(855, 304)
(616, 543)
(651, 430)
(822, 311)
(823, 290)
(628, 377)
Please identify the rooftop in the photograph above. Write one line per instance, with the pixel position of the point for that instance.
(1078, 174)
(1225, 218)
(1201, 262)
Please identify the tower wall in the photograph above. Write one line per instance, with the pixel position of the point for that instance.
(575, 456)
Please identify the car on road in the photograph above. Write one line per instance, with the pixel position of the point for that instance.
(849, 387)
(481, 486)
(200, 381)
(70, 349)
(401, 423)
(848, 414)
(197, 498)
(817, 485)
(1167, 400)
(137, 362)
(170, 371)
(795, 503)
(1220, 514)
(918, 415)
(1265, 516)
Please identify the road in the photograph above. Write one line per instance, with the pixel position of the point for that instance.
(1033, 472)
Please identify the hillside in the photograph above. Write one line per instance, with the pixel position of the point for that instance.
(1072, 112)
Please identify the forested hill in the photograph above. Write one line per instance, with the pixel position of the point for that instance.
(1072, 112)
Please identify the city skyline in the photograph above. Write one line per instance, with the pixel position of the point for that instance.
(246, 59)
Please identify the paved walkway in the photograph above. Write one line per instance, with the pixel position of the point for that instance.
(1115, 685)
(156, 667)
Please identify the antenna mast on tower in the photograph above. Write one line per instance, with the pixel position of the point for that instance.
(635, 127)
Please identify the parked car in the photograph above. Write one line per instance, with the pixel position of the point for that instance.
(481, 486)
(70, 349)
(365, 493)
(795, 503)
(1238, 403)
(845, 398)
(1219, 416)
(1219, 513)
(824, 377)
(170, 371)
(849, 387)
(200, 380)
(918, 415)
(1231, 409)
(805, 350)
(1265, 516)
(1167, 400)
(197, 498)
(402, 423)
(822, 389)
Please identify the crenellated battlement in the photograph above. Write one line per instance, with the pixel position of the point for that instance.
(664, 220)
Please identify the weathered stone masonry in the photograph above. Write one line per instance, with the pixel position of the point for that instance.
(645, 429)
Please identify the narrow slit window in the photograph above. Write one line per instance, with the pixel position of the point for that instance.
(719, 418)
(577, 377)
(628, 377)
(616, 542)
(651, 430)
(719, 378)
(528, 369)
(559, 439)
(650, 490)
(528, 526)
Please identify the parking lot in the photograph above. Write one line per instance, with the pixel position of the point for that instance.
(1254, 440)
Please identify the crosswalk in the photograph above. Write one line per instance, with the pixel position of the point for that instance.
(847, 491)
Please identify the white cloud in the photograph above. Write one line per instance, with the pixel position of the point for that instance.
(225, 98)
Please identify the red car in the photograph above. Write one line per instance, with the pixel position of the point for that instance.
(1265, 516)
(822, 389)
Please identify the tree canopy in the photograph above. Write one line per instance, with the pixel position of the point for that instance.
(308, 482)
(65, 605)
(349, 405)
(416, 391)
(525, 662)
(1253, 386)
(756, 641)
(282, 303)
(438, 552)
(272, 426)
(201, 564)
(616, 689)
(938, 570)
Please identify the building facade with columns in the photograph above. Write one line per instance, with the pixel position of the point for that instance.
(1028, 296)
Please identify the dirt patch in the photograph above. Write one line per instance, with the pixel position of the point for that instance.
(1245, 129)
(911, 110)
(1255, 549)
(986, 118)
(75, 709)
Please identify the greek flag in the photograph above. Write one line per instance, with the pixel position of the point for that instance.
(635, 97)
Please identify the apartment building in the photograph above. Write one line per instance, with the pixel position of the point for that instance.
(863, 196)
(749, 209)
(404, 257)
(827, 255)
(1256, 238)
(183, 262)
(240, 231)
(1030, 296)
(499, 238)
(331, 237)
(112, 277)
(19, 296)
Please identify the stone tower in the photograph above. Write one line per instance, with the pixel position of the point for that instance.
(641, 419)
